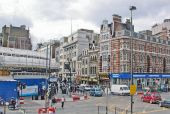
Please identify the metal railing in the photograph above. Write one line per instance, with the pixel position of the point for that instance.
(114, 110)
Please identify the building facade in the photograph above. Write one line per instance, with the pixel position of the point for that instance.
(73, 47)
(93, 63)
(151, 63)
(51, 50)
(162, 30)
(1, 39)
(107, 31)
(16, 37)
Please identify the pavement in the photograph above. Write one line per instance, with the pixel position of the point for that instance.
(31, 106)
(90, 106)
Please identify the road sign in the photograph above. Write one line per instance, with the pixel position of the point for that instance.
(132, 89)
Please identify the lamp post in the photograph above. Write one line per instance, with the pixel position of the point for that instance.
(131, 8)
(69, 62)
(46, 97)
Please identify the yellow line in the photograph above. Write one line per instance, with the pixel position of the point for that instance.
(147, 112)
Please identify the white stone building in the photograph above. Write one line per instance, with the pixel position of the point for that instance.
(162, 30)
(73, 47)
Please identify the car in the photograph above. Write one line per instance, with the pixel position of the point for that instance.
(165, 103)
(80, 89)
(164, 88)
(87, 88)
(96, 92)
(151, 97)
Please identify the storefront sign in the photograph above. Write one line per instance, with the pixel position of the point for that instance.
(166, 76)
(138, 75)
(154, 76)
(115, 75)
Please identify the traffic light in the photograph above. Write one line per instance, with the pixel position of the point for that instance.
(23, 86)
(66, 66)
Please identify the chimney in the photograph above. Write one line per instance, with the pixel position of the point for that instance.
(117, 22)
(117, 18)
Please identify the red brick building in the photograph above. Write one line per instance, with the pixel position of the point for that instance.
(151, 55)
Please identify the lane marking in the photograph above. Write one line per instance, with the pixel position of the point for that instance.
(147, 112)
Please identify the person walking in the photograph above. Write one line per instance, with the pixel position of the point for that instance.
(57, 88)
(62, 102)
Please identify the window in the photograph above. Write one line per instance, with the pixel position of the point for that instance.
(121, 56)
(85, 70)
(148, 38)
(154, 39)
(90, 70)
(82, 70)
(114, 57)
(86, 61)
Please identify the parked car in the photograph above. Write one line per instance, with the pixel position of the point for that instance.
(151, 97)
(96, 92)
(165, 103)
(120, 89)
(164, 87)
(87, 88)
(80, 89)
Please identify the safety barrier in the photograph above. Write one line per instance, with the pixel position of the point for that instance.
(49, 110)
(73, 98)
(42, 111)
(21, 100)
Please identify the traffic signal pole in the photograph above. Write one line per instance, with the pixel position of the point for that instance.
(46, 90)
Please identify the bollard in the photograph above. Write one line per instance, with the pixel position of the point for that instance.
(106, 110)
(98, 109)
(115, 110)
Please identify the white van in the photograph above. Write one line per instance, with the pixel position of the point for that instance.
(120, 89)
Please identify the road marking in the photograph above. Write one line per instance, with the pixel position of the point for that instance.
(147, 112)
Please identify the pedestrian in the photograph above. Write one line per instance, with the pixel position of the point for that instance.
(57, 88)
(53, 102)
(62, 102)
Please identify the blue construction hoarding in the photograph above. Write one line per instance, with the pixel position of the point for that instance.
(8, 90)
(138, 75)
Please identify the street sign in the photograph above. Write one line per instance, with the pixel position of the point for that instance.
(132, 89)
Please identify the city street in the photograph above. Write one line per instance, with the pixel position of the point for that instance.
(90, 106)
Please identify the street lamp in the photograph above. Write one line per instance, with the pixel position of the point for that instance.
(68, 67)
(69, 63)
(131, 8)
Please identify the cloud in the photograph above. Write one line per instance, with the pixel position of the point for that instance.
(52, 18)
(15, 21)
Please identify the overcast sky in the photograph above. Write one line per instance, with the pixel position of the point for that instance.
(49, 19)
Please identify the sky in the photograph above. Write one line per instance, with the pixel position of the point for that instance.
(51, 19)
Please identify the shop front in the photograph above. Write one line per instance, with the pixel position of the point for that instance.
(93, 81)
(84, 80)
(103, 78)
(141, 80)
